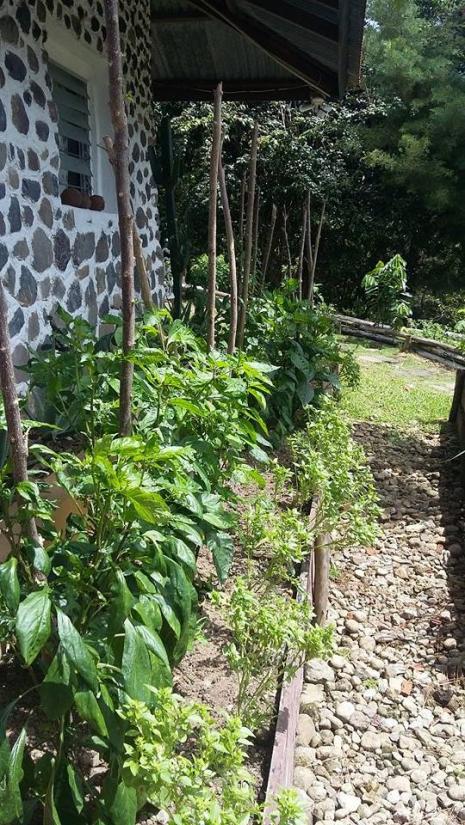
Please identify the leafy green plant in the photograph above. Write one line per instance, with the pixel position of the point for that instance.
(386, 291)
(180, 762)
(288, 809)
(301, 343)
(330, 465)
(271, 638)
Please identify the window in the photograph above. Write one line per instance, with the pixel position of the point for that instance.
(72, 102)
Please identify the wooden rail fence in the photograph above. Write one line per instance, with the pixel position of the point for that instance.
(447, 355)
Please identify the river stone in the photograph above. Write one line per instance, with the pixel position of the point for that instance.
(17, 322)
(42, 250)
(317, 671)
(312, 695)
(18, 115)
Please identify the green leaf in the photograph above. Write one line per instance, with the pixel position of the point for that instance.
(305, 393)
(123, 810)
(121, 604)
(154, 643)
(75, 787)
(221, 547)
(148, 506)
(76, 650)
(41, 560)
(148, 612)
(11, 805)
(9, 584)
(89, 710)
(136, 665)
(56, 695)
(33, 624)
(169, 615)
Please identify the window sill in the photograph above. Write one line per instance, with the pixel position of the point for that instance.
(91, 218)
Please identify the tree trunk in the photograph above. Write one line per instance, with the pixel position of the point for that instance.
(316, 248)
(269, 243)
(125, 219)
(248, 235)
(16, 437)
(300, 267)
(231, 257)
(212, 218)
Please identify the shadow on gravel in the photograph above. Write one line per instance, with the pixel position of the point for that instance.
(451, 497)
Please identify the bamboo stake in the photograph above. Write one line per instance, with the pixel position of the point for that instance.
(248, 235)
(269, 242)
(231, 257)
(286, 240)
(16, 436)
(309, 239)
(125, 218)
(300, 266)
(241, 226)
(146, 292)
(255, 241)
(212, 219)
(311, 284)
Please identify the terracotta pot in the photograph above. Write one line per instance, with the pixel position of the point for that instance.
(85, 201)
(71, 197)
(97, 203)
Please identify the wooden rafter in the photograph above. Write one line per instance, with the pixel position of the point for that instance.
(308, 68)
(193, 89)
(301, 17)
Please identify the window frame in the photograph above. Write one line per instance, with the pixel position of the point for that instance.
(88, 65)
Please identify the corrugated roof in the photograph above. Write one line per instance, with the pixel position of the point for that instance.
(260, 49)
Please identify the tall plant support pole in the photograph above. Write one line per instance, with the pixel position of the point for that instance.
(212, 218)
(300, 267)
(322, 558)
(241, 226)
(231, 257)
(256, 237)
(16, 437)
(169, 172)
(269, 242)
(125, 220)
(137, 246)
(311, 283)
(309, 242)
(286, 241)
(248, 235)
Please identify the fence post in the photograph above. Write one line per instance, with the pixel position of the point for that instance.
(458, 392)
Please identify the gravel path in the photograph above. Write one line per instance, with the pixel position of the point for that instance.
(382, 727)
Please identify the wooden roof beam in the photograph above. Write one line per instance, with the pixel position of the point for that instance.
(295, 61)
(301, 17)
(192, 89)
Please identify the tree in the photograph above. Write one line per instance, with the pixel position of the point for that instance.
(125, 217)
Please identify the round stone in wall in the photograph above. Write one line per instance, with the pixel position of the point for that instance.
(33, 327)
(46, 213)
(27, 293)
(30, 189)
(9, 32)
(18, 115)
(38, 94)
(33, 160)
(17, 322)
(91, 303)
(21, 250)
(3, 255)
(74, 300)
(102, 249)
(15, 67)
(42, 250)
(42, 130)
(23, 16)
(2, 155)
(14, 215)
(84, 247)
(62, 250)
(2, 118)
(50, 184)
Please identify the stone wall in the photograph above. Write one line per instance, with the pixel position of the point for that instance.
(49, 253)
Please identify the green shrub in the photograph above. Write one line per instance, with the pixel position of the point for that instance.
(386, 291)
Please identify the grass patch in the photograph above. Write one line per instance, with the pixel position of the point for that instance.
(401, 401)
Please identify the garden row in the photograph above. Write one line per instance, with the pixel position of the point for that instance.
(96, 613)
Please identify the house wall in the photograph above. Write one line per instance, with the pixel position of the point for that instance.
(50, 253)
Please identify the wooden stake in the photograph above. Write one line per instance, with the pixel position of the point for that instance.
(300, 266)
(125, 218)
(256, 236)
(286, 241)
(212, 218)
(269, 242)
(231, 257)
(321, 580)
(16, 437)
(248, 235)
(316, 248)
